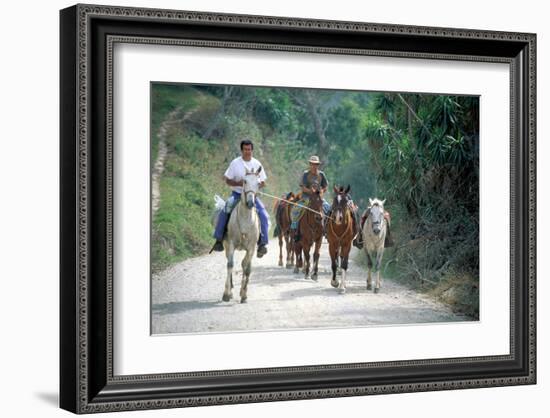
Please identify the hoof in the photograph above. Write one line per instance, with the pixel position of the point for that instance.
(342, 290)
(376, 290)
(296, 270)
(314, 277)
(226, 298)
(334, 283)
(306, 276)
(243, 300)
(369, 287)
(280, 263)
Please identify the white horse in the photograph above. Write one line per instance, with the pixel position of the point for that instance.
(243, 231)
(374, 235)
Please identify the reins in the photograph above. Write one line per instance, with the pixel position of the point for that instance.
(295, 204)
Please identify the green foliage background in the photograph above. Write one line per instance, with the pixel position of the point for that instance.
(419, 152)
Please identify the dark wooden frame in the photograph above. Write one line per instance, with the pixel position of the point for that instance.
(87, 34)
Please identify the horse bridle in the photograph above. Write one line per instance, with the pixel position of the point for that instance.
(381, 223)
(346, 215)
(245, 193)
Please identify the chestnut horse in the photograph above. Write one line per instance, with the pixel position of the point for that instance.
(340, 234)
(282, 219)
(310, 229)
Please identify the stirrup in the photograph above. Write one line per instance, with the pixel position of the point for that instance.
(262, 250)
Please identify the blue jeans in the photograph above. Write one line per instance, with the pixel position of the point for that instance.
(262, 214)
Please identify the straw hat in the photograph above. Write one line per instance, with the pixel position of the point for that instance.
(314, 159)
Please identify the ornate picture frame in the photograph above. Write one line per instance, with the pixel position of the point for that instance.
(88, 34)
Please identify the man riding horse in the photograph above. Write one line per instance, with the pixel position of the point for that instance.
(313, 180)
(234, 176)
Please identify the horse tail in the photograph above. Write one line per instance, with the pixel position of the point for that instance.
(275, 205)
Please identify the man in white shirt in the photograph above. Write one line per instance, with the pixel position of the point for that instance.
(233, 177)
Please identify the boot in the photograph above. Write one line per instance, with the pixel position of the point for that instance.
(262, 250)
(218, 246)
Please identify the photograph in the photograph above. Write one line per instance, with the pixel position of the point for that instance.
(277, 208)
(258, 208)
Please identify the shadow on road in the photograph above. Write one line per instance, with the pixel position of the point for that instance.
(177, 307)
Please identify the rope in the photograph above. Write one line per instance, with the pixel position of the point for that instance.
(295, 204)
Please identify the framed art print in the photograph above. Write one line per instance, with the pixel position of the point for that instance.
(262, 208)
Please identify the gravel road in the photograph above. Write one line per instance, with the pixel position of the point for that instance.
(187, 298)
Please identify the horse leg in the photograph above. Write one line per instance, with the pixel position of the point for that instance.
(369, 277)
(288, 251)
(338, 262)
(229, 253)
(344, 259)
(316, 259)
(280, 249)
(246, 265)
(377, 266)
(291, 244)
(299, 259)
(334, 265)
(306, 259)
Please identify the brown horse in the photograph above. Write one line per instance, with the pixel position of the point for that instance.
(282, 219)
(310, 229)
(340, 234)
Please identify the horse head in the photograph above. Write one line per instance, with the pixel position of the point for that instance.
(251, 186)
(316, 201)
(376, 214)
(340, 204)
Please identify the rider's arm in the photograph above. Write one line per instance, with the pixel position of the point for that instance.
(305, 189)
(324, 184)
(233, 183)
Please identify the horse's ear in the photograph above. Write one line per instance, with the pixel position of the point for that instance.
(371, 201)
(348, 189)
(383, 201)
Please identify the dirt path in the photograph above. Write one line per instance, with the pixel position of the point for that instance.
(158, 168)
(187, 298)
